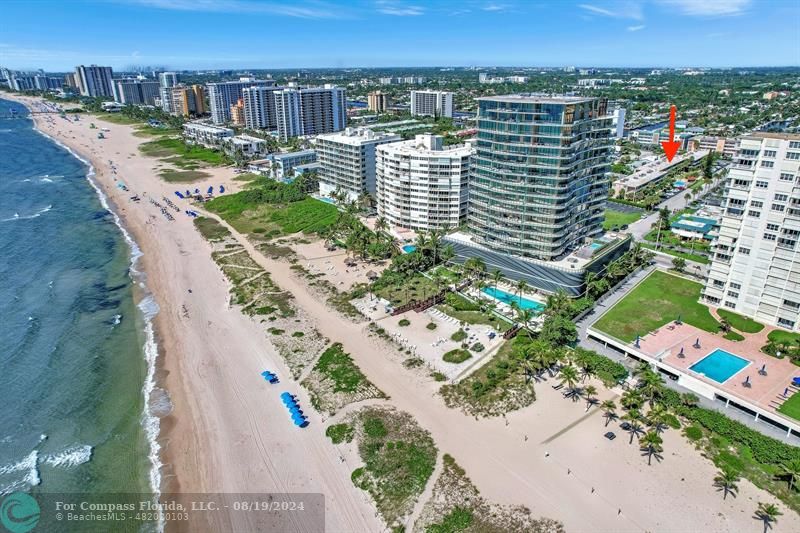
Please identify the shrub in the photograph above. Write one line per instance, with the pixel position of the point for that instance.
(404, 322)
(298, 334)
(459, 303)
(456, 356)
(438, 376)
(477, 347)
(339, 433)
(373, 427)
(672, 421)
(431, 326)
(459, 335)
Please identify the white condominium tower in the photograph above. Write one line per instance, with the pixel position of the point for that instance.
(539, 183)
(432, 103)
(223, 95)
(167, 81)
(259, 108)
(136, 91)
(95, 81)
(310, 111)
(347, 161)
(421, 184)
(755, 270)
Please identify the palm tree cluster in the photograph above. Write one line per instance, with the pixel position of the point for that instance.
(615, 271)
(356, 237)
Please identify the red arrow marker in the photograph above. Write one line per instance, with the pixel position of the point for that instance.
(671, 146)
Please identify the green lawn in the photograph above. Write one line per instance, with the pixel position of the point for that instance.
(741, 323)
(674, 253)
(180, 153)
(183, 176)
(783, 337)
(618, 218)
(118, 118)
(656, 301)
(417, 287)
(308, 215)
(791, 407)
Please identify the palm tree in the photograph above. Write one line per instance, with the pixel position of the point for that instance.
(651, 446)
(523, 315)
(689, 400)
(569, 377)
(609, 411)
(521, 286)
(767, 513)
(631, 399)
(496, 277)
(791, 470)
(726, 482)
(447, 253)
(635, 429)
(590, 391)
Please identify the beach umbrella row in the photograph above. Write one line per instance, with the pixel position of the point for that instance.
(291, 404)
(270, 376)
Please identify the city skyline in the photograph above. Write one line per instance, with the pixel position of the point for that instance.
(242, 34)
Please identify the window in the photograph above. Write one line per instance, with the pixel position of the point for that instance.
(762, 184)
(785, 176)
(743, 251)
(754, 203)
(778, 207)
(794, 144)
(718, 283)
(781, 197)
(768, 164)
(754, 214)
(773, 227)
(769, 237)
(785, 322)
(769, 153)
(733, 294)
(792, 155)
(730, 304)
(735, 286)
(793, 305)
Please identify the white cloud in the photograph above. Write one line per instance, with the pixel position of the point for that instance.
(636, 28)
(622, 10)
(389, 7)
(309, 10)
(495, 7)
(709, 8)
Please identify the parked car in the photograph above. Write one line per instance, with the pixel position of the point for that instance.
(625, 426)
(610, 435)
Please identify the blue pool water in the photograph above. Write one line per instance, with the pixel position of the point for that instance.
(596, 245)
(719, 365)
(507, 298)
(408, 248)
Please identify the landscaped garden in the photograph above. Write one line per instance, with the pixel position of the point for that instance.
(791, 407)
(617, 219)
(659, 299)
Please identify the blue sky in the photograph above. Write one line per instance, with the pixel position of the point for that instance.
(59, 34)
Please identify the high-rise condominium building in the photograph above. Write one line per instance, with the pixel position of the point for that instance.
(136, 91)
(237, 113)
(538, 184)
(95, 81)
(347, 161)
(310, 111)
(259, 108)
(378, 101)
(186, 101)
(223, 95)
(432, 103)
(168, 79)
(421, 184)
(755, 270)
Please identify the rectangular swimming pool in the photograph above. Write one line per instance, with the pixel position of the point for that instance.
(523, 303)
(719, 365)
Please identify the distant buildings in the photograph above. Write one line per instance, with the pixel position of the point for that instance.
(347, 161)
(720, 145)
(485, 78)
(310, 111)
(47, 83)
(755, 270)
(618, 122)
(259, 108)
(95, 81)
(223, 95)
(432, 103)
(378, 102)
(237, 113)
(187, 101)
(136, 91)
(206, 135)
(539, 181)
(167, 80)
(421, 184)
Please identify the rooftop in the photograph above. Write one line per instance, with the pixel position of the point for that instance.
(773, 135)
(357, 136)
(538, 99)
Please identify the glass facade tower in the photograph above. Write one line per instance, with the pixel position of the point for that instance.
(539, 181)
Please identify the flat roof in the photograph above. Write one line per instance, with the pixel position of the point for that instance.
(772, 135)
(538, 99)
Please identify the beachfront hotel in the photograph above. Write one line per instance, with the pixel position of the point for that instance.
(186, 101)
(421, 184)
(134, 91)
(310, 111)
(259, 108)
(95, 81)
(223, 95)
(347, 161)
(432, 103)
(755, 269)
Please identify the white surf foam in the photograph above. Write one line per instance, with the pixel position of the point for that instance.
(37, 214)
(72, 456)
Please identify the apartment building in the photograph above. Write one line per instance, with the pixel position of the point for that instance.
(378, 101)
(134, 91)
(223, 95)
(539, 179)
(259, 108)
(755, 269)
(206, 135)
(168, 80)
(721, 145)
(237, 113)
(187, 101)
(432, 103)
(347, 161)
(280, 166)
(421, 184)
(310, 111)
(95, 81)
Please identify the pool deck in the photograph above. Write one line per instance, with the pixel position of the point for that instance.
(765, 391)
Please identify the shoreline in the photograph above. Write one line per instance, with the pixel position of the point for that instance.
(144, 301)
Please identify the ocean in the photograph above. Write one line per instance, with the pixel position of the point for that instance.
(76, 350)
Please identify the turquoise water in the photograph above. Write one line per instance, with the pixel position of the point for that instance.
(595, 245)
(523, 303)
(72, 341)
(719, 365)
(408, 248)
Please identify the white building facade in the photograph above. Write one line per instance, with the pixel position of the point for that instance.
(347, 161)
(311, 111)
(755, 270)
(432, 103)
(206, 135)
(421, 184)
(259, 108)
(221, 96)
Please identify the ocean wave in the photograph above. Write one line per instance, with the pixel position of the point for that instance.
(29, 465)
(37, 214)
(69, 457)
(72, 456)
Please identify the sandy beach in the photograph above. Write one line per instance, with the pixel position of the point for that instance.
(228, 431)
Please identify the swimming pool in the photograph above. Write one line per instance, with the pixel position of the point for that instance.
(507, 298)
(408, 248)
(719, 365)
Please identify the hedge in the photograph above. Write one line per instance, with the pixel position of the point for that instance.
(604, 368)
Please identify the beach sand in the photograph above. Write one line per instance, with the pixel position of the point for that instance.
(229, 432)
